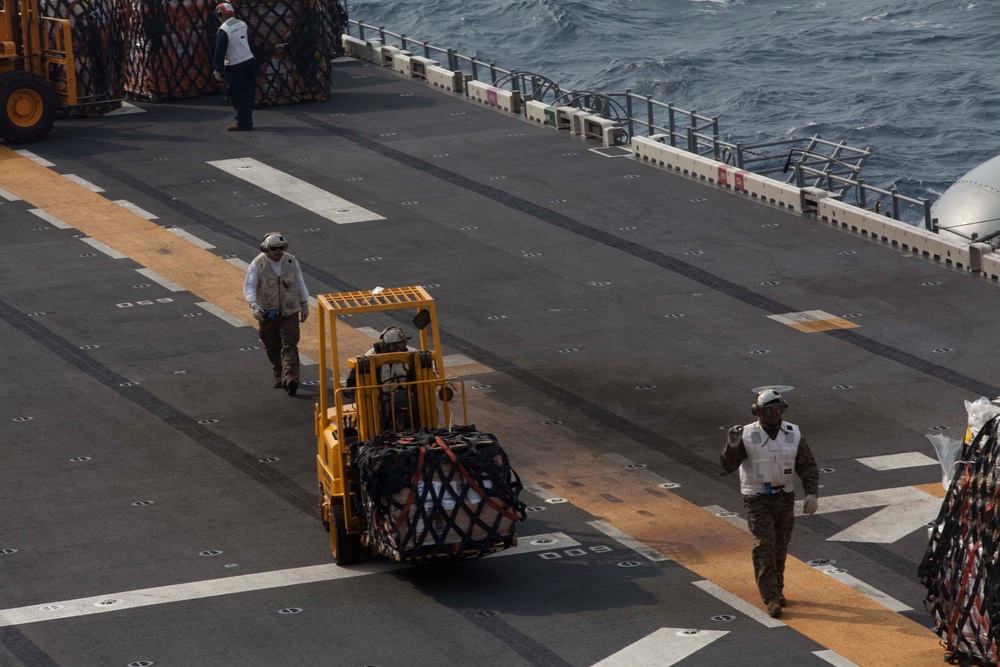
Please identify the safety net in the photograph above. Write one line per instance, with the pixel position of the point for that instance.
(961, 568)
(436, 495)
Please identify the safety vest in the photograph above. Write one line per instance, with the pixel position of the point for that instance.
(274, 292)
(770, 464)
(238, 48)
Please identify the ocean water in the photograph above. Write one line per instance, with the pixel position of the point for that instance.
(915, 80)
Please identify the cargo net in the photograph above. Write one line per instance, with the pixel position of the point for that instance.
(432, 496)
(171, 46)
(98, 29)
(961, 568)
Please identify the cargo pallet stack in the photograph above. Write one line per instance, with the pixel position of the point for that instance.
(155, 51)
(961, 568)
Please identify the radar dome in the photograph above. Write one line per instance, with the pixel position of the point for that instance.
(970, 208)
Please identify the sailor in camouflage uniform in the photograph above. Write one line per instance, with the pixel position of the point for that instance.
(766, 452)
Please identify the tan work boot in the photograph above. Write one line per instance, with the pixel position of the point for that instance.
(773, 608)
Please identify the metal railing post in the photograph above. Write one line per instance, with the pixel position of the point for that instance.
(800, 179)
(381, 33)
(927, 215)
(894, 191)
(493, 73)
(427, 51)
(649, 115)
(628, 112)
(671, 125)
(475, 70)
(402, 42)
(862, 190)
(739, 155)
(451, 60)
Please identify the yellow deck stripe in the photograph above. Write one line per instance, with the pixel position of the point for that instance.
(828, 612)
(823, 609)
(196, 270)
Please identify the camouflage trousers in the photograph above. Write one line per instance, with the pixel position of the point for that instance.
(770, 520)
(280, 337)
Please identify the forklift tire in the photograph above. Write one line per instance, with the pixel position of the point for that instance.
(27, 107)
(346, 547)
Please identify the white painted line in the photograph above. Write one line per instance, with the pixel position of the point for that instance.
(221, 314)
(863, 588)
(141, 212)
(371, 333)
(107, 250)
(897, 461)
(665, 647)
(306, 361)
(804, 316)
(904, 510)
(834, 659)
(190, 591)
(457, 360)
(84, 182)
(296, 190)
(237, 262)
(730, 517)
(628, 541)
(9, 196)
(49, 218)
(34, 158)
(537, 490)
(190, 237)
(232, 585)
(157, 278)
(738, 603)
(125, 109)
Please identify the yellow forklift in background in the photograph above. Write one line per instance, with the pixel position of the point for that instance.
(401, 474)
(37, 71)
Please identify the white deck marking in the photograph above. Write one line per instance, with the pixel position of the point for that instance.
(34, 158)
(644, 473)
(730, 517)
(237, 262)
(834, 659)
(804, 316)
(223, 315)
(897, 461)
(141, 212)
(237, 584)
(82, 181)
(665, 647)
(49, 218)
(627, 540)
(190, 237)
(9, 196)
(107, 250)
(456, 360)
(537, 490)
(905, 509)
(863, 588)
(160, 280)
(295, 190)
(370, 332)
(738, 603)
(125, 109)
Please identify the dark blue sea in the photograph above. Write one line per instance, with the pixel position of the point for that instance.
(915, 80)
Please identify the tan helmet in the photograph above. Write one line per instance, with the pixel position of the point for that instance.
(767, 397)
(273, 241)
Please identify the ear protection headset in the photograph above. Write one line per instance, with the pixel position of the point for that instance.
(768, 397)
(389, 336)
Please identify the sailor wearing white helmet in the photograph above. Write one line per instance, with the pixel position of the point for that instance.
(276, 293)
(233, 54)
(767, 453)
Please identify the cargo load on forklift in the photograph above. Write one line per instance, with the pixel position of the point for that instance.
(401, 473)
(432, 495)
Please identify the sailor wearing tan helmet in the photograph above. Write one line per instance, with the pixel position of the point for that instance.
(767, 453)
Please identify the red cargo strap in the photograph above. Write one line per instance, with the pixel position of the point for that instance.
(472, 482)
(413, 488)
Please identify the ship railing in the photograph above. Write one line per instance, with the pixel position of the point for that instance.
(804, 161)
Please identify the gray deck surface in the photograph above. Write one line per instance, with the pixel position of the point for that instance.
(576, 277)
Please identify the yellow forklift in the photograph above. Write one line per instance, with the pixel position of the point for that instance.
(37, 70)
(458, 505)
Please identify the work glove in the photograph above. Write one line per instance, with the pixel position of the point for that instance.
(258, 314)
(218, 76)
(810, 505)
(734, 436)
(304, 312)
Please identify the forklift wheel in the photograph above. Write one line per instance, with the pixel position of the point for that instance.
(27, 107)
(346, 547)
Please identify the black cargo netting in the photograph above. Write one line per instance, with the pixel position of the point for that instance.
(430, 496)
(961, 569)
(168, 54)
(171, 46)
(98, 28)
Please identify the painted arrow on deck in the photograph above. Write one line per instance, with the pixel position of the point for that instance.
(904, 510)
